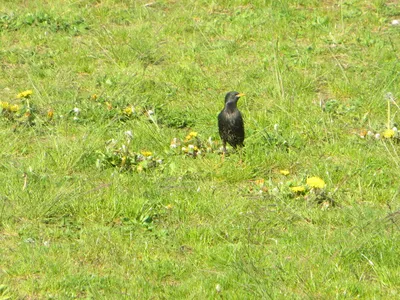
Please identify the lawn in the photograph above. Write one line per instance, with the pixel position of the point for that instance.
(113, 184)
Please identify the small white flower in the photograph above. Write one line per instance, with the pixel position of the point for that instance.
(76, 110)
(218, 288)
(191, 146)
(150, 112)
(29, 240)
(395, 129)
(173, 145)
(76, 118)
(275, 191)
(395, 22)
(129, 134)
(377, 136)
(370, 133)
(276, 127)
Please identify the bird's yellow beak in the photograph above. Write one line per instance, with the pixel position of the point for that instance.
(240, 95)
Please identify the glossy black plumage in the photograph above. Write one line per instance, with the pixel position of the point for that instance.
(230, 122)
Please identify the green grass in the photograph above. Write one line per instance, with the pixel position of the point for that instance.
(77, 220)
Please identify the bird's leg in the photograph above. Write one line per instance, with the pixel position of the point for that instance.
(240, 155)
(223, 150)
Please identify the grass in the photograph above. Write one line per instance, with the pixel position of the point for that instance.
(87, 212)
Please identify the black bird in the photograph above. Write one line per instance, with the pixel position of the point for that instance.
(230, 122)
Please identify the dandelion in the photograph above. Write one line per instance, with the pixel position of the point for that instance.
(298, 189)
(50, 113)
(388, 133)
(184, 149)
(94, 97)
(4, 105)
(315, 182)
(14, 108)
(260, 181)
(169, 206)
(146, 153)
(129, 110)
(190, 136)
(25, 94)
(284, 172)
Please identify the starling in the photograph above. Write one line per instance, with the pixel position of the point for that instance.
(230, 122)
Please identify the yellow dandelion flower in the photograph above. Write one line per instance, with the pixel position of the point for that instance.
(146, 153)
(298, 189)
(4, 105)
(388, 133)
(195, 148)
(284, 172)
(260, 181)
(191, 135)
(14, 108)
(315, 182)
(139, 168)
(169, 206)
(25, 94)
(93, 97)
(50, 113)
(184, 149)
(128, 110)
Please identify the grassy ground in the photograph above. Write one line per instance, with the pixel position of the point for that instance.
(94, 201)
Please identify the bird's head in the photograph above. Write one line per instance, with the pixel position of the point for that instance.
(232, 97)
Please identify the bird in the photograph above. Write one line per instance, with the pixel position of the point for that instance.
(230, 122)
